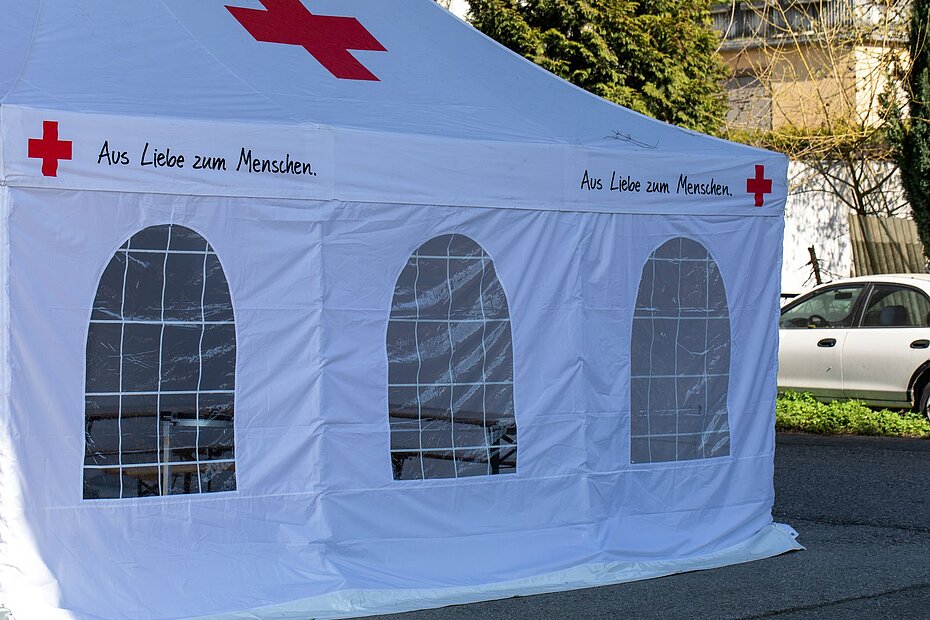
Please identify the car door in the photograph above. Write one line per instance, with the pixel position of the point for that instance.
(812, 331)
(890, 342)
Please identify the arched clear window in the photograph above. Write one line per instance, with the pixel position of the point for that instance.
(161, 365)
(680, 357)
(450, 365)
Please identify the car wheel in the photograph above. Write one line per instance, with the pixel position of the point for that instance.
(923, 403)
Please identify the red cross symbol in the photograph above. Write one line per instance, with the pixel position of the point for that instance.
(327, 38)
(49, 149)
(759, 185)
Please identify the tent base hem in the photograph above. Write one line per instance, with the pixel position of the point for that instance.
(770, 541)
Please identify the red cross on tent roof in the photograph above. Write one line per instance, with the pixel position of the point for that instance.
(327, 38)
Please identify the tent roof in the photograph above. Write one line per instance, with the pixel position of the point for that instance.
(194, 60)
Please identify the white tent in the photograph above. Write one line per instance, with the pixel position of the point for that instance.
(336, 307)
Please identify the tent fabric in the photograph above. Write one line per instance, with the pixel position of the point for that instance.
(294, 330)
(194, 60)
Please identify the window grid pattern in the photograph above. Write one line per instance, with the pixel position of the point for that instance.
(159, 392)
(450, 354)
(680, 358)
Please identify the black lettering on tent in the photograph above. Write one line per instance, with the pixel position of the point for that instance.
(680, 358)
(450, 365)
(161, 362)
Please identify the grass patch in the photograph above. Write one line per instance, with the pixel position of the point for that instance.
(802, 412)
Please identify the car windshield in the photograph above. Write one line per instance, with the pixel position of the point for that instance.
(831, 308)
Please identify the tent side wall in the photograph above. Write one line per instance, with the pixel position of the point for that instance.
(238, 372)
(326, 526)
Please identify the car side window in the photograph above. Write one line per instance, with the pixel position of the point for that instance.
(896, 306)
(833, 308)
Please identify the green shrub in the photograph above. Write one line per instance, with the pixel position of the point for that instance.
(802, 412)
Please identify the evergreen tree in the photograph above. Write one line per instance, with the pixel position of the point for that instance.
(914, 153)
(656, 57)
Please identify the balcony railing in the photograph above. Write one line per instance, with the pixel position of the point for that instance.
(781, 19)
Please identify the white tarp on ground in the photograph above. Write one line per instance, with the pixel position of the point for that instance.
(294, 331)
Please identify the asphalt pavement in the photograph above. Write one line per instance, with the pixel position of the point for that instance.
(862, 507)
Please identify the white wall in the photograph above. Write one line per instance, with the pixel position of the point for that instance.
(817, 216)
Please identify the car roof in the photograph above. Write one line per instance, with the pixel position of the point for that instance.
(922, 280)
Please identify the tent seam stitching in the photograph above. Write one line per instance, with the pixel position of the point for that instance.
(209, 52)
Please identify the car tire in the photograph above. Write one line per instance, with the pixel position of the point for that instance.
(923, 403)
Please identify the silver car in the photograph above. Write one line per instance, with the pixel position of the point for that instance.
(866, 338)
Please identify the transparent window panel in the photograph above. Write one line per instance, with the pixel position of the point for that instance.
(218, 477)
(498, 352)
(216, 440)
(438, 463)
(662, 293)
(151, 238)
(179, 428)
(159, 391)
(694, 289)
(442, 340)
(140, 357)
(407, 465)
(141, 481)
(468, 352)
(718, 346)
(433, 288)
(692, 404)
(184, 289)
(101, 483)
(493, 300)
(217, 304)
(680, 355)
(639, 450)
(435, 353)
(404, 305)
(662, 346)
(144, 286)
(403, 403)
(220, 407)
(139, 429)
(180, 358)
(180, 478)
(692, 350)
(503, 459)
(469, 404)
(641, 347)
(437, 246)
(470, 435)
(462, 246)
(178, 406)
(716, 444)
(216, 444)
(405, 436)
(716, 291)
(472, 463)
(466, 280)
(689, 447)
(101, 430)
(663, 448)
(498, 402)
(402, 348)
(108, 304)
(103, 357)
(139, 439)
(639, 424)
(218, 357)
(186, 240)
